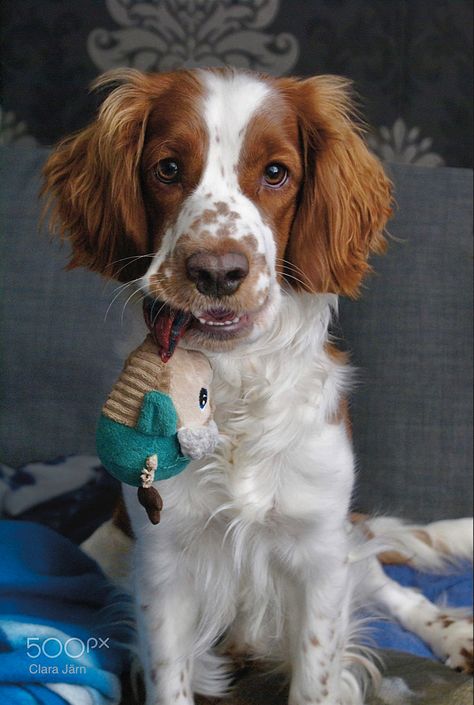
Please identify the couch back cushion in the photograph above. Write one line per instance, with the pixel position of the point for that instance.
(59, 350)
(411, 338)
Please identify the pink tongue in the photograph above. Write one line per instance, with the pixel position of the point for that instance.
(218, 314)
(167, 326)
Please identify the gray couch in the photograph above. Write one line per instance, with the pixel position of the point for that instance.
(410, 335)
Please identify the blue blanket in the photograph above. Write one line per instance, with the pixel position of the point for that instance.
(59, 643)
(454, 590)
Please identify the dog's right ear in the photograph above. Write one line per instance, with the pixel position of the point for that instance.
(92, 179)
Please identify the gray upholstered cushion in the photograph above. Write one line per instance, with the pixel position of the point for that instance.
(57, 352)
(411, 334)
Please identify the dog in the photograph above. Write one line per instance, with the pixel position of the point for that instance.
(251, 203)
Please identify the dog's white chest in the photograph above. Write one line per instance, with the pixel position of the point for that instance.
(279, 454)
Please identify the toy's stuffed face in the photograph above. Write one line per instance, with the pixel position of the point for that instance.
(190, 377)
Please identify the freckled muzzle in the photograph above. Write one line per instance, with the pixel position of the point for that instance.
(215, 269)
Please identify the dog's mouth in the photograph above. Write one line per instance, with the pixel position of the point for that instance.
(168, 325)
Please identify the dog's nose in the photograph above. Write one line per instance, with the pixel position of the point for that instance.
(217, 275)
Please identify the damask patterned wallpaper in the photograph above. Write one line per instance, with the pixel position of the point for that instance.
(411, 60)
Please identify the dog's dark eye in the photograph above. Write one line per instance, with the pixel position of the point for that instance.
(167, 171)
(275, 175)
(203, 398)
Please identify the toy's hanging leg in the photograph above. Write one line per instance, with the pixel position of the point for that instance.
(148, 496)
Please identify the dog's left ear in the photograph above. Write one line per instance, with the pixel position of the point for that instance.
(346, 197)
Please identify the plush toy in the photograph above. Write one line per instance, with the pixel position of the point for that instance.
(157, 417)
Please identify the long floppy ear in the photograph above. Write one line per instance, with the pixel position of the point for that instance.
(92, 179)
(346, 197)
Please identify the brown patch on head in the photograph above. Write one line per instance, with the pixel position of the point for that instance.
(100, 183)
(314, 641)
(271, 136)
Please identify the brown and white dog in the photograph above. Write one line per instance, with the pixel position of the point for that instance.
(251, 203)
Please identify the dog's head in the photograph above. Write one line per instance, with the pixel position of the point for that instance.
(216, 188)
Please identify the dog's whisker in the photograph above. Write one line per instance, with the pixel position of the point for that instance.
(123, 286)
(297, 279)
(140, 291)
(115, 274)
(118, 293)
(135, 259)
(131, 258)
(287, 264)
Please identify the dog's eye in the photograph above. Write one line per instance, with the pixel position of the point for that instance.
(167, 171)
(203, 398)
(275, 175)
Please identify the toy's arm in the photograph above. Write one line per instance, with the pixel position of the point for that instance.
(198, 442)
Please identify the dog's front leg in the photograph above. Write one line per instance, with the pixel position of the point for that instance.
(318, 638)
(166, 620)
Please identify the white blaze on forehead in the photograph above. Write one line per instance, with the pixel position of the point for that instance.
(231, 101)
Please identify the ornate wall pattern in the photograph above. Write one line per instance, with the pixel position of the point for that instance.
(411, 60)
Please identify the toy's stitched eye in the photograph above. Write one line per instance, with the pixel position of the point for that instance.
(203, 396)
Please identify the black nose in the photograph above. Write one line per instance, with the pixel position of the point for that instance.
(217, 275)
